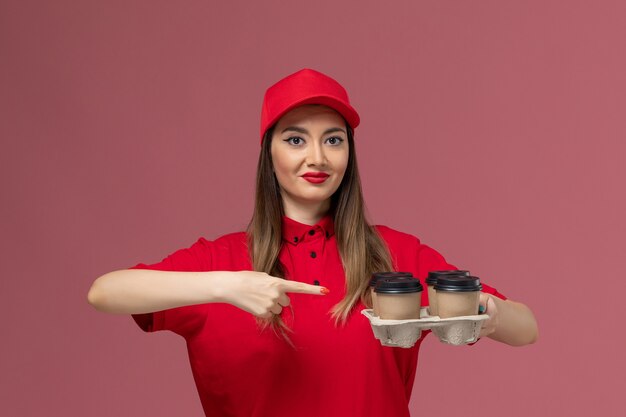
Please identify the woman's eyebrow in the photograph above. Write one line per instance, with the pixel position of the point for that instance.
(304, 131)
(295, 129)
(334, 129)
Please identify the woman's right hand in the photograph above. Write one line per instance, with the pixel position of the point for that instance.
(259, 293)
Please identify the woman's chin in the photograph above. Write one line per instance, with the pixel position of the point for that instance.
(311, 199)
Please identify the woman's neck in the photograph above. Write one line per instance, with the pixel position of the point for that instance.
(308, 213)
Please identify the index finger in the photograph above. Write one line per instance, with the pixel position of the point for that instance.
(301, 287)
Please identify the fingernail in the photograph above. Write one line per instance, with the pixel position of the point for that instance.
(324, 290)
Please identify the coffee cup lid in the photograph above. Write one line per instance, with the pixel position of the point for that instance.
(382, 275)
(398, 285)
(433, 275)
(458, 283)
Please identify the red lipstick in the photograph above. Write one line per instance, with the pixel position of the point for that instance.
(315, 177)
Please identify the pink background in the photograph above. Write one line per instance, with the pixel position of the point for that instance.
(493, 130)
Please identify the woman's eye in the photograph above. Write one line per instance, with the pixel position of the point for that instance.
(294, 140)
(334, 140)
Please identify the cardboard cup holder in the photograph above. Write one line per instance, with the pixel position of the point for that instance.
(405, 333)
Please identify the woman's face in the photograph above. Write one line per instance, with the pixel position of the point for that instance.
(310, 154)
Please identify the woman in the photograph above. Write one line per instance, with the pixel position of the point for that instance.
(271, 316)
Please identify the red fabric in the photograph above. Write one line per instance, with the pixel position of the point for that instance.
(306, 86)
(333, 371)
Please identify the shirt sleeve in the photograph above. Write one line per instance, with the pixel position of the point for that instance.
(181, 320)
(429, 259)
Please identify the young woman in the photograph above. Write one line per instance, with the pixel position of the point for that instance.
(271, 316)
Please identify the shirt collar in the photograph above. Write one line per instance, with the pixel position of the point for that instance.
(295, 232)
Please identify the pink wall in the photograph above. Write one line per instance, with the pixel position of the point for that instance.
(493, 130)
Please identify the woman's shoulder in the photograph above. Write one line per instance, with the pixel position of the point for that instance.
(228, 241)
(224, 252)
(393, 236)
(408, 251)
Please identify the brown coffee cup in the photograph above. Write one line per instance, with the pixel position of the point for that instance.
(399, 298)
(431, 280)
(382, 275)
(457, 296)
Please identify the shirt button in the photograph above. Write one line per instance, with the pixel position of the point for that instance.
(295, 239)
(316, 282)
(313, 255)
(311, 232)
(327, 235)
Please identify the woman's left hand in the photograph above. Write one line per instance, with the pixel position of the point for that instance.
(488, 306)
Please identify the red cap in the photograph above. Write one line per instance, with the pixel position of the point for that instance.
(306, 86)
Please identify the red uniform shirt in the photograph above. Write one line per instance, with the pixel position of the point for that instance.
(240, 370)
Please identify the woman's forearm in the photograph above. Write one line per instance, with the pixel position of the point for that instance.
(516, 323)
(135, 291)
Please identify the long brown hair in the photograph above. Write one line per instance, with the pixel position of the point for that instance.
(361, 248)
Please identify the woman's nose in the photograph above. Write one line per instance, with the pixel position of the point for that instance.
(316, 155)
